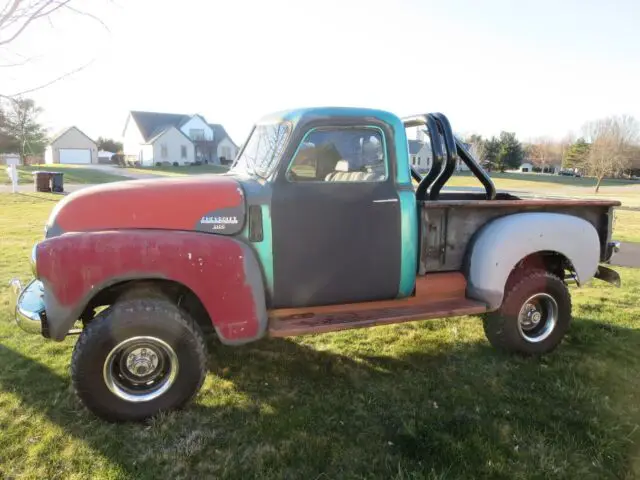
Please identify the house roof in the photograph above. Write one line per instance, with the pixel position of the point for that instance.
(415, 146)
(65, 130)
(219, 132)
(152, 124)
(162, 130)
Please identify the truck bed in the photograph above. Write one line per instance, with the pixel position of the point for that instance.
(448, 224)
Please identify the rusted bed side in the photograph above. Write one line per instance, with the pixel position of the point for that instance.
(447, 226)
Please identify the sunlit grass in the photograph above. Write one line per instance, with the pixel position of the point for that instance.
(627, 225)
(427, 399)
(626, 191)
(178, 171)
(72, 174)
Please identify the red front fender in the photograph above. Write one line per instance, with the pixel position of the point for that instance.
(221, 271)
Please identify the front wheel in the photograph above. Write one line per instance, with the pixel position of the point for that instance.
(138, 358)
(534, 316)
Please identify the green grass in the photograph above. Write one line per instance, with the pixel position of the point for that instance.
(626, 191)
(178, 171)
(627, 225)
(72, 174)
(555, 180)
(419, 400)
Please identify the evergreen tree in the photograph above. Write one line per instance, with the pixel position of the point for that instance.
(511, 151)
(491, 153)
(576, 154)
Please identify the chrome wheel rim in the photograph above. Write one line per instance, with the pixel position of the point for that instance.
(140, 369)
(538, 317)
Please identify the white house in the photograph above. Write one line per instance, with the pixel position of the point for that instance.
(153, 137)
(420, 155)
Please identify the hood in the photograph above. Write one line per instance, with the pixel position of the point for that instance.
(206, 203)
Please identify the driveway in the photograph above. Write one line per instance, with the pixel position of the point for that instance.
(628, 256)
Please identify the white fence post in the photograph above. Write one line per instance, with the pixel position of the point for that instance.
(12, 171)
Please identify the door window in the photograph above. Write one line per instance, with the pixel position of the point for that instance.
(340, 155)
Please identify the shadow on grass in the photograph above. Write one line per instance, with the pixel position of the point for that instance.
(279, 409)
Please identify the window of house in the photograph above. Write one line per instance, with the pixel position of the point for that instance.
(340, 155)
(196, 133)
(183, 151)
(163, 151)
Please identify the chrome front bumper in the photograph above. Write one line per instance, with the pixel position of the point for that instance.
(28, 305)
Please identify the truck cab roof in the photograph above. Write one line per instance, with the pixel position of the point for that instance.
(304, 114)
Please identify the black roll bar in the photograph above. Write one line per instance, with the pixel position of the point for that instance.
(452, 157)
(438, 157)
(477, 170)
(441, 171)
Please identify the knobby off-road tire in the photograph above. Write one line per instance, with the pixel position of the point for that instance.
(534, 316)
(137, 358)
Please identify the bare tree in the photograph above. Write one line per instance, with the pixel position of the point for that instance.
(544, 152)
(612, 142)
(565, 144)
(16, 16)
(476, 147)
(21, 125)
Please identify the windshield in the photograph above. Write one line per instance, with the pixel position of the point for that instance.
(263, 149)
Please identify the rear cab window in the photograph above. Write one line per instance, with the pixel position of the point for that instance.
(340, 154)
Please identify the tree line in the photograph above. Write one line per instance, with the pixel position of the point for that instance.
(607, 147)
(497, 153)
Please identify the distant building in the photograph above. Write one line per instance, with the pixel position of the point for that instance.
(420, 155)
(152, 137)
(71, 146)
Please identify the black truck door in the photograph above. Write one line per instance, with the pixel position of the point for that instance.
(336, 220)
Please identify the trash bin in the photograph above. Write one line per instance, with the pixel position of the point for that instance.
(57, 182)
(42, 181)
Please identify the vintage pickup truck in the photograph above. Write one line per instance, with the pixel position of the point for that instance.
(320, 225)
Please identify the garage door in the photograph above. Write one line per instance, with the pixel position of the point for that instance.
(75, 155)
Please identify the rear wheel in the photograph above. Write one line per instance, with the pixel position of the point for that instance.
(534, 316)
(138, 358)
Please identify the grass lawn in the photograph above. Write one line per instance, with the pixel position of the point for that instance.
(507, 180)
(627, 226)
(72, 174)
(626, 191)
(178, 171)
(421, 400)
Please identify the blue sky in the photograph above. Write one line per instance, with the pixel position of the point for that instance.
(536, 68)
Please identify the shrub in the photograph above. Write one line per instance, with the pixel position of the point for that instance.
(197, 162)
(176, 164)
(118, 159)
(158, 164)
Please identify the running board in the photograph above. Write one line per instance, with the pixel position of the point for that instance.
(437, 296)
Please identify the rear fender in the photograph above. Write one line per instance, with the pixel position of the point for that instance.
(221, 271)
(504, 242)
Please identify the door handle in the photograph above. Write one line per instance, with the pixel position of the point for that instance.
(386, 200)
